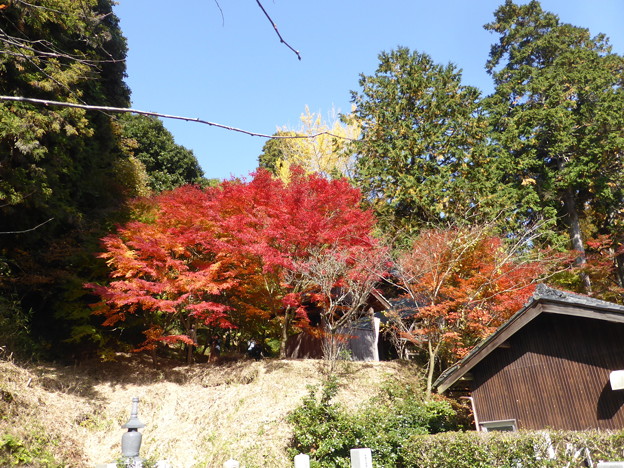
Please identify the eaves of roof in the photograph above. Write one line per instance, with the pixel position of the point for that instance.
(545, 299)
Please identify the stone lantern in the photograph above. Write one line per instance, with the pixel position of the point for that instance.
(131, 440)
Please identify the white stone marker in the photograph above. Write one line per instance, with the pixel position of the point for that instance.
(231, 464)
(302, 461)
(361, 458)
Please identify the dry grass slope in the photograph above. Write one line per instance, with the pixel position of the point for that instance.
(196, 416)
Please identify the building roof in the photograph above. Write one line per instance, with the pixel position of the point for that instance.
(545, 299)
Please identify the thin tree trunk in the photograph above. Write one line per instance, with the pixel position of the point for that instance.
(576, 235)
(431, 368)
(619, 269)
(284, 339)
(189, 348)
(154, 358)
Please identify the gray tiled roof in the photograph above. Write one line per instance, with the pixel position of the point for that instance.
(555, 295)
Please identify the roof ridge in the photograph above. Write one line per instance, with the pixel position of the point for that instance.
(543, 291)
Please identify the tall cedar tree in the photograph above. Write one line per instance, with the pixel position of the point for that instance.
(558, 118)
(225, 252)
(421, 135)
(57, 164)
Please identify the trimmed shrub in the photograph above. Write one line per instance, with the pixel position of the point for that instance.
(512, 450)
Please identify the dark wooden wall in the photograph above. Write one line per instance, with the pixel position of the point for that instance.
(555, 374)
(362, 345)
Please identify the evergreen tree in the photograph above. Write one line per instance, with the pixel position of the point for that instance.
(274, 151)
(421, 137)
(168, 164)
(557, 117)
(58, 164)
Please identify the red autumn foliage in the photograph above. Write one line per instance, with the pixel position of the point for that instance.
(166, 271)
(218, 257)
(605, 268)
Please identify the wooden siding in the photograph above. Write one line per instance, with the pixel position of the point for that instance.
(555, 374)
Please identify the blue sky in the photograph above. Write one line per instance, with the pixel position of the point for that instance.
(186, 59)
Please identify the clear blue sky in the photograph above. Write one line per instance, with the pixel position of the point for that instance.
(186, 59)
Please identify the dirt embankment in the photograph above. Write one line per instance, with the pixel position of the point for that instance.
(195, 416)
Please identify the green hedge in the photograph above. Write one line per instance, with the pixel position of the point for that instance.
(518, 449)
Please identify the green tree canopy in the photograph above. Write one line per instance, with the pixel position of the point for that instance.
(168, 164)
(57, 164)
(421, 130)
(557, 117)
(274, 151)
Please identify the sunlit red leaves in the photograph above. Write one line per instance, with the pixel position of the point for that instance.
(605, 268)
(195, 254)
(280, 222)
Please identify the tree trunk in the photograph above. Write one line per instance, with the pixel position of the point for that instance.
(154, 358)
(431, 367)
(576, 235)
(284, 339)
(619, 269)
(189, 348)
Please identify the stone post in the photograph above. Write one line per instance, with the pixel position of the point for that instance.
(361, 458)
(302, 461)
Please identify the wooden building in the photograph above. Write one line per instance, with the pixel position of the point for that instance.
(547, 367)
(365, 342)
(361, 342)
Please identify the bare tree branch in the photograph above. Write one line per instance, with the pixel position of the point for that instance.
(27, 230)
(221, 11)
(277, 31)
(46, 102)
(23, 44)
(41, 7)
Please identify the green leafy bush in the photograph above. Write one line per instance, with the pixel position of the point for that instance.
(322, 429)
(510, 450)
(15, 334)
(34, 452)
(327, 432)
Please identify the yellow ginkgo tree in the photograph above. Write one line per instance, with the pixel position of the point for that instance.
(317, 146)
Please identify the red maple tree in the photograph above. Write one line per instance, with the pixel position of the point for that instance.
(165, 270)
(462, 283)
(219, 257)
(280, 225)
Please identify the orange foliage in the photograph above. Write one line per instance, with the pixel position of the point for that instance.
(465, 284)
